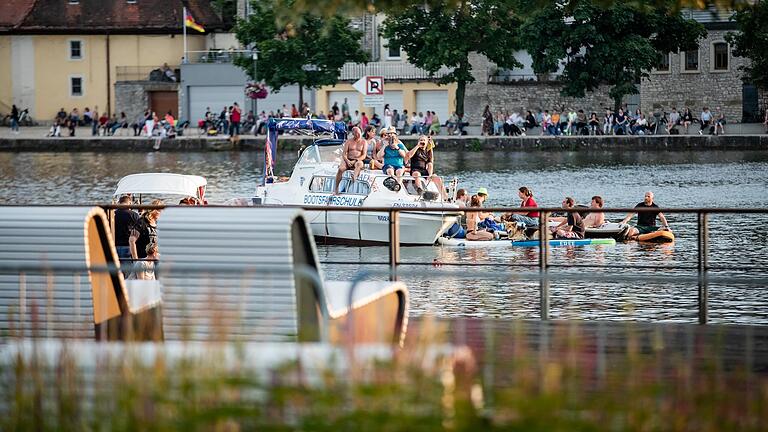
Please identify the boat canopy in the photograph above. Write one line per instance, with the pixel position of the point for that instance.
(312, 127)
(162, 183)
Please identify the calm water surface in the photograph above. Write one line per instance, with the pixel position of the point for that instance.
(679, 179)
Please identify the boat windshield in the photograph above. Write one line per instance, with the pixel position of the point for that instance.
(321, 154)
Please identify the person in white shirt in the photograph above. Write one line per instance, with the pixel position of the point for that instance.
(672, 120)
(387, 122)
(416, 121)
(706, 119)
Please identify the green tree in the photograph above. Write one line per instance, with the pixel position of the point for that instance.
(309, 51)
(616, 44)
(227, 10)
(442, 36)
(752, 42)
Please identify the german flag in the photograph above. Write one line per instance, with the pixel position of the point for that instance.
(191, 23)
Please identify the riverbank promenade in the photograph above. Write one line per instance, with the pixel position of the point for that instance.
(739, 137)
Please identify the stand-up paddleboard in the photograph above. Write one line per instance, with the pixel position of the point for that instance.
(454, 242)
(657, 237)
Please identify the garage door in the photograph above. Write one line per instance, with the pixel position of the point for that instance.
(215, 97)
(286, 96)
(395, 100)
(433, 100)
(353, 100)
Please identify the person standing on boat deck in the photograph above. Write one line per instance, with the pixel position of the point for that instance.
(352, 156)
(596, 219)
(125, 221)
(394, 154)
(530, 218)
(573, 226)
(147, 228)
(646, 221)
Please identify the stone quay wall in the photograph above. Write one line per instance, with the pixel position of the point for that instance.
(466, 144)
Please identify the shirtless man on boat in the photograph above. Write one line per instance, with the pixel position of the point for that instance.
(646, 221)
(352, 156)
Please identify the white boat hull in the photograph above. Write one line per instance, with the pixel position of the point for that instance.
(360, 227)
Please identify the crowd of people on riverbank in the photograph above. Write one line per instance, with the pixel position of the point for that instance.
(567, 122)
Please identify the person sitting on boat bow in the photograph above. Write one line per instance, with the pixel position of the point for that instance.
(352, 156)
(573, 226)
(646, 221)
(393, 152)
(422, 165)
(374, 145)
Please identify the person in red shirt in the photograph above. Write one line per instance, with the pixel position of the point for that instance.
(234, 120)
(530, 218)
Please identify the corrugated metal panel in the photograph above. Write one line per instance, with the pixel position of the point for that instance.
(40, 304)
(254, 299)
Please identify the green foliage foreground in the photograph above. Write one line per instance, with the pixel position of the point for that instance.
(564, 388)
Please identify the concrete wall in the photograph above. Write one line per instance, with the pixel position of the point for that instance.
(6, 77)
(190, 142)
(24, 71)
(704, 87)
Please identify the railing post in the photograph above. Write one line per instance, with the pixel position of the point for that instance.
(703, 297)
(543, 264)
(394, 243)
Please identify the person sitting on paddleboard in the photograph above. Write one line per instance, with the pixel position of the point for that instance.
(646, 221)
(530, 218)
(474, 232)
(573, 226)
(596, 219)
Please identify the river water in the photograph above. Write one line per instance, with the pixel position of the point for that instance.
(678, 179)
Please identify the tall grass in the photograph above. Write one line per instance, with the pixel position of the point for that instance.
(517, 381)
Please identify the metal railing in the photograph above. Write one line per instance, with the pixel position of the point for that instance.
(702, 267)
(697, 274)
(146, 73)
(397, 70)
(217, 56)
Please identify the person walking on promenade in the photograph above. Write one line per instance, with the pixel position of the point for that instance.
(15, 119)
(646, 221)
(487, 128)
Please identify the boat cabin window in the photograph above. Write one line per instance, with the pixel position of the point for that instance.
(315, 154)
(410, 186)
(325, 185)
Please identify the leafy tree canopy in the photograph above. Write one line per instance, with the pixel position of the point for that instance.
(752, 42)
(616, 45)
(309, 51)
(441, 36)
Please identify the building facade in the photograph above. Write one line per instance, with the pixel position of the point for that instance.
(707, 76)
(78, 53)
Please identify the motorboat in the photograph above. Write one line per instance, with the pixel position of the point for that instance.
(161, 185)
(312, 182)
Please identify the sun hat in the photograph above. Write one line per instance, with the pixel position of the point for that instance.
(482, 191)
(392, 130)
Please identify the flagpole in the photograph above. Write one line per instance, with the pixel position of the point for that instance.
(184, 27)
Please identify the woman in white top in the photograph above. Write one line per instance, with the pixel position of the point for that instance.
(387, 122)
